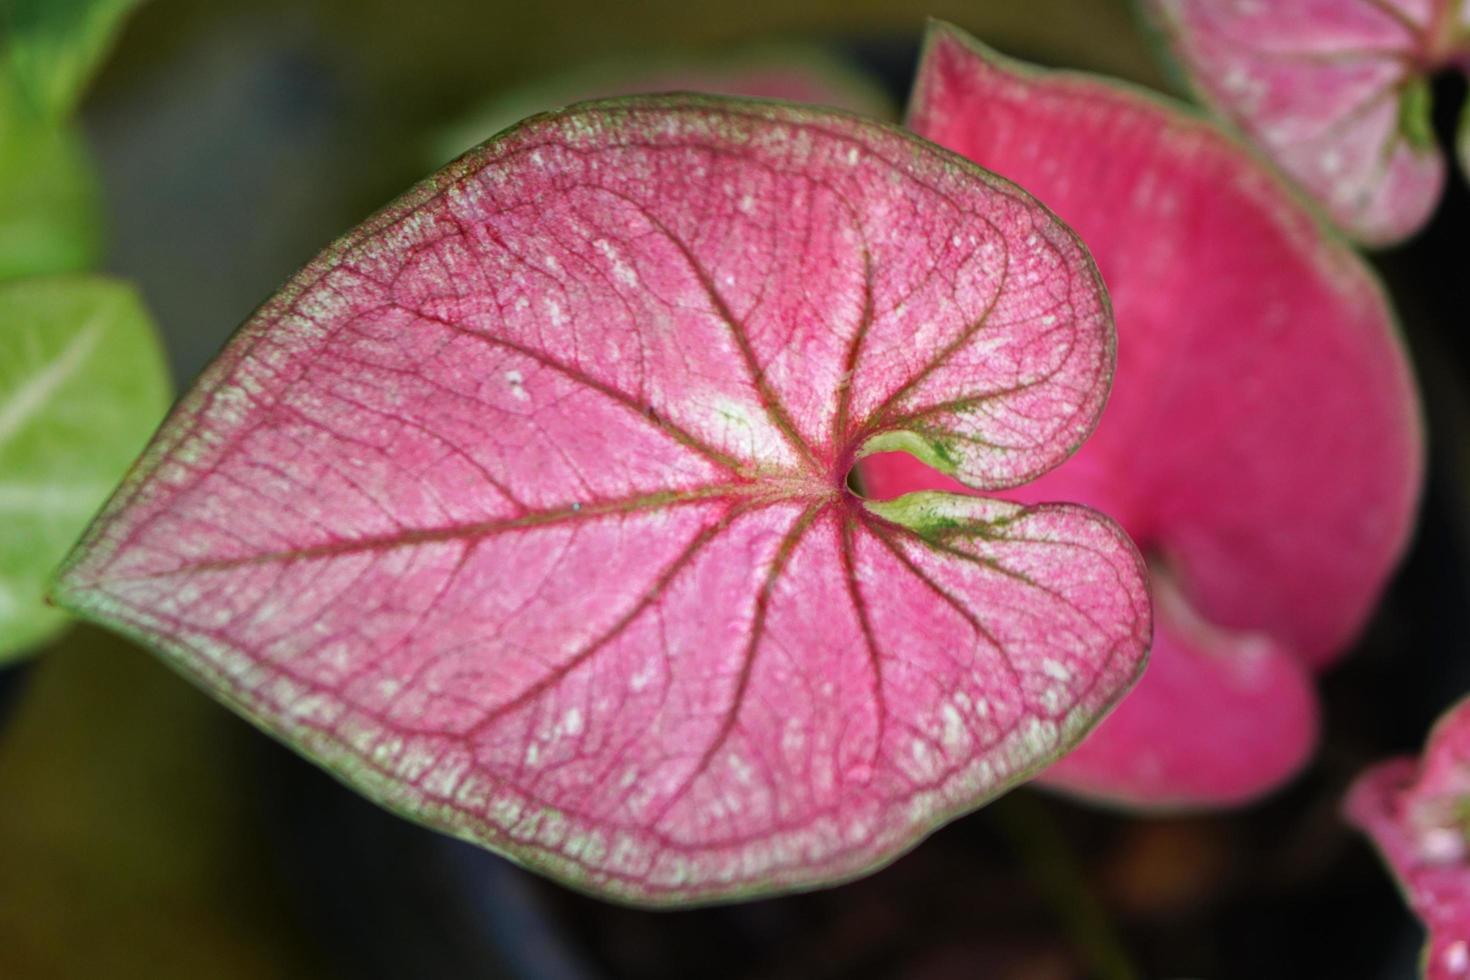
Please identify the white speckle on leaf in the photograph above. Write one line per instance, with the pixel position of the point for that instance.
(1236, 79)
(386, 750)
(415, 761)
(1037, 736)
(741, 769)
(793, 739)
(1457, 957)
(1056, 670)
(444, 778)
(622, 271)
(472, 793)
(1442, 845)
(338, 658)
(517, 389)
(506, 812)
(311, 708)
(643, 676)
(923, 755)
(954, 728)
(553, 829)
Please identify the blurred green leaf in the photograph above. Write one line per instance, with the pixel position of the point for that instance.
(50, 201)
(53, 47)
(1464, 140)
(790, 71)
(82, 386)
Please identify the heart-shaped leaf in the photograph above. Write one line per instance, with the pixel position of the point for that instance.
(1418, 813)
(82, 384)
(1336, 91)
(1262, 443)
(523, 507)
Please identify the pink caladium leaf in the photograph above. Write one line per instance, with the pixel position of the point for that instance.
(524, 509)
(1418, 813)
(1335, 91)
(1262, 442)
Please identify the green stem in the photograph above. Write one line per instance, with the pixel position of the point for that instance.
(1044, 852)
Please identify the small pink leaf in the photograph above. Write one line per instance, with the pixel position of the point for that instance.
(1417, 813)
(523, 507)
(1336, 91)
(1262, 441)
(1260, 701)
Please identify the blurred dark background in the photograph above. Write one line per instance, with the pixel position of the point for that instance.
(145, 832)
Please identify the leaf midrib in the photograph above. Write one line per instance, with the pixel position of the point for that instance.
(34, 394)
(771, 489)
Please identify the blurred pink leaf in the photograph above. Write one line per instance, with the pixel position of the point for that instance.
(1262, 442)
(1418, 813)
(1335, 91)
(523, 507)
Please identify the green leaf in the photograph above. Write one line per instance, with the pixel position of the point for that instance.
(1464, 140)
(50, 201)
(82, 385)
(55, 46)
(791, 72)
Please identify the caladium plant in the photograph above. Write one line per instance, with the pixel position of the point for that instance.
(1262, 444)
(524, 509)
(1335, 91)
(1418, 813)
